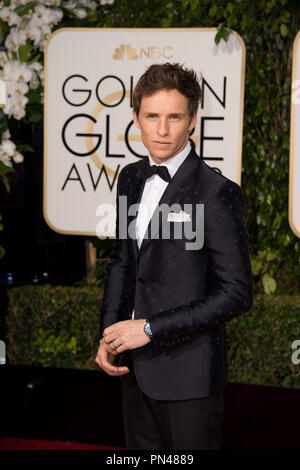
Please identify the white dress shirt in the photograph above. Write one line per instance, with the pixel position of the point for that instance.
(153, 191)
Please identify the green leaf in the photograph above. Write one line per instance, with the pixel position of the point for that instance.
(5, 181)
(270, 255)
(269, 284)
(283, 30)
(33, 96)
(230, 7)
(277, 221)
(3, 123)
(4, 169)
(25, 52)
(260, 107)
(2, 251)
(218, 37)
(213, 10)
(35, 58)
(223, 33)
(256, 266)
(92, 15)
(23, 148)
(34, 112)
(4, 27)
(22, 10)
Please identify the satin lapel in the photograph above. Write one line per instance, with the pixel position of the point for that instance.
(135, 197)
(182, 178)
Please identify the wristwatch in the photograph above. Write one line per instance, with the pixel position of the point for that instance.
(147, 329)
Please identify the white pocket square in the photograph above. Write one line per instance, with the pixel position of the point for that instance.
(179, 217)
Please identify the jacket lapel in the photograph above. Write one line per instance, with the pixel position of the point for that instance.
(135, 198)
(173, 192)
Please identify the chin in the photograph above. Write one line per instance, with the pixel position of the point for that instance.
(161, 158)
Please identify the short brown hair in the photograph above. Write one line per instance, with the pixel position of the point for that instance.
(168, 77)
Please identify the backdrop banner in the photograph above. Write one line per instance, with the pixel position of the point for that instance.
(89, 133)
(294, 188)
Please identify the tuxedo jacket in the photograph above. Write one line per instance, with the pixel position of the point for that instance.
(187, 295)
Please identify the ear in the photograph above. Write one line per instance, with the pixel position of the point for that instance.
(193, 122)
(135, 119)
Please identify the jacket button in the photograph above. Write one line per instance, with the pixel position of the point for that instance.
(141, 280)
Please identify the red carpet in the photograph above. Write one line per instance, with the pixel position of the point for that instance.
(33, 444)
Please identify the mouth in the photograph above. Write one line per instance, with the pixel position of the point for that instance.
(161, 143)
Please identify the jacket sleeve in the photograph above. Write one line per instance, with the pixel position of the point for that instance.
(229, 278)
(118, 278)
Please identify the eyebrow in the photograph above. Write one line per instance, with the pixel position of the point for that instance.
(170, 114)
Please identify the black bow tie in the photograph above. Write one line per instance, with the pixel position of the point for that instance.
(148, 170)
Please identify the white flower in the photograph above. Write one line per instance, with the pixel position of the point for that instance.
(40, 10)
(17, 88)
(3, 58)
(17, 72)
(8, 108)
(55, 3)
(9, 16)
(5, 159)
(47, 15)
(18, 157)
(19, 113)
(3, 92)
(36, 66)
(34, 83)
(15, 39)
(80, 13)
(70, 5)
(36, 25)
(8, 148)
(8, 151)
(90, 4)
(35, 34)
(6, 135)
(15, 105)
(41, 75)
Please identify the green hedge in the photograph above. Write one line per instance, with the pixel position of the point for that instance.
(53, 326)
(268, 29)
(58, 327)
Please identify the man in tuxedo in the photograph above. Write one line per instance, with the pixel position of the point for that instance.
(178, 274)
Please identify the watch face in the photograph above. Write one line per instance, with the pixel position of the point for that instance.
(147, 329)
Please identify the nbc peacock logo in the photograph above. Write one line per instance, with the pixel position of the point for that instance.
(126, 51)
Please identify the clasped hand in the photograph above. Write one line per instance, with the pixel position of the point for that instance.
(119, 337)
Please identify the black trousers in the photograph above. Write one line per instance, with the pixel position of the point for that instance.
(170, 425)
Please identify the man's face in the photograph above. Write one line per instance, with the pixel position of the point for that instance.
(165, 123)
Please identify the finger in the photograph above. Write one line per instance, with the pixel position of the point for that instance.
(103, 361)
(108, 330)
(121, 348)
(120, 371)
(113, 352)
(110, 338)
(110, 349)
(113, 370)
(106, 366)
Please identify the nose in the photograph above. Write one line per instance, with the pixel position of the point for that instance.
(162, 127)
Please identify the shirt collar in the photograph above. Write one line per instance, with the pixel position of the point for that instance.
(174, 163)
